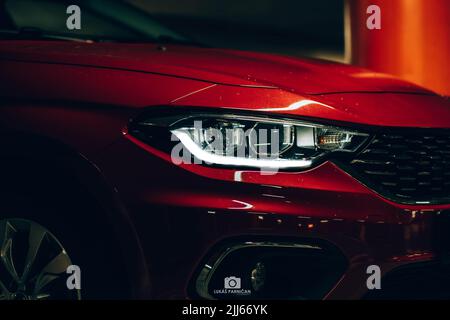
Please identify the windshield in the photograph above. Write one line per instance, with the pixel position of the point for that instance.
(101, 20)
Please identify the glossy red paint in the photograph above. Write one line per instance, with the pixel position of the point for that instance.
(83, 95)
(376, 109)
(214, 65)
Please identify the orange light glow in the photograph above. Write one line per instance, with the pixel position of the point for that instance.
(413, 42)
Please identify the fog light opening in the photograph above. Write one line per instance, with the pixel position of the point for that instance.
(267, 270)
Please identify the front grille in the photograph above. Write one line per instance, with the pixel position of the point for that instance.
(411, 168)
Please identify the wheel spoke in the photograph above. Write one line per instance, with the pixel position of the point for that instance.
(37, 233)
(4, 289)
(52, 271)
(6, 233)
(31, 283)
(42, 281)
(58, 265)
(4, 297)
(42, 296)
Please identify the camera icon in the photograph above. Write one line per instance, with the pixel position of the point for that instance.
(232, 283)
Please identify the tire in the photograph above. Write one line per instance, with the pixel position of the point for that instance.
(76, 225)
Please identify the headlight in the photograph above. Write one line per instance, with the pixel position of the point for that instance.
(250, 141)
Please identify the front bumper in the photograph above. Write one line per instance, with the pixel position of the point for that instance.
(183, 215)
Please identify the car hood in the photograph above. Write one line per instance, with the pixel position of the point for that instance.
(229, 67)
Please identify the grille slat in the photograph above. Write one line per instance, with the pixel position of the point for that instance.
(411, 168)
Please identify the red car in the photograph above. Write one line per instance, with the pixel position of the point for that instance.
(91, 174)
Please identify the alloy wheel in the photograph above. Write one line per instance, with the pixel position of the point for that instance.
(33, 263)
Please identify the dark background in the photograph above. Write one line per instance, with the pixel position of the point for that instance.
(294, 27)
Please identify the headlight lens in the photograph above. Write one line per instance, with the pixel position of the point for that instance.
(248, 141)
